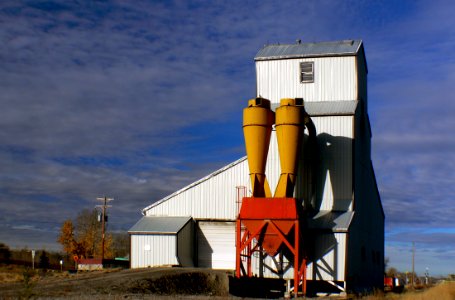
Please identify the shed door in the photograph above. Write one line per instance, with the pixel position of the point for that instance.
(216, 245)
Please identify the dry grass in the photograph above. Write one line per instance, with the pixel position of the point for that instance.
(10, 277)
(11, 273)
(443, 291)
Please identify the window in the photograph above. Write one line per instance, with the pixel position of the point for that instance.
(306, 72)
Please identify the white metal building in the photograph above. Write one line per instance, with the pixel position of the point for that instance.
(337, 184)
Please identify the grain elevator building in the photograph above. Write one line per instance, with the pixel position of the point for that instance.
(336, 184)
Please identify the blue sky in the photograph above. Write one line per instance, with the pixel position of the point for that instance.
(136, 100)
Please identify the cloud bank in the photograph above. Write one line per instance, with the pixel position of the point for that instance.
(136, 100)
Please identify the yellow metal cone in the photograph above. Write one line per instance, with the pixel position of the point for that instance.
(289, 126)
(257, 128)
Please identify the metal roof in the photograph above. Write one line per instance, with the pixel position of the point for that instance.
(211, 175)
(159, 225)
(300, 50)
(331, 220)
(328, 108)
(331, 108)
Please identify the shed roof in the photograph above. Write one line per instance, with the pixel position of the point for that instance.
(337, 221)
(328, 108)
(300, 50)
(159, 225)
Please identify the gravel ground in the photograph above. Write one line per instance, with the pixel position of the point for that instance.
(153, 283)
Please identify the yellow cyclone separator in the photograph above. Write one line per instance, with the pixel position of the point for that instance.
(289, 126)
(257, 128)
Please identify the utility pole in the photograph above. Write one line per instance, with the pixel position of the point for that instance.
(103, 206)
(413, 260)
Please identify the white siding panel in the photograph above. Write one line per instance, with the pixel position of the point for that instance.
(334, 180)
(216, 245)
(273, 168)
(330, 257)
(335, 79)
(214, 198)
(269, 263)
(153, 250)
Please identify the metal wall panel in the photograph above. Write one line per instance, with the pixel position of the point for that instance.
(330, 257)
(185, 246)
(335, 78)
(153, 250)
(213, 198)
(216, 245)
(326, 263)
(334, 189)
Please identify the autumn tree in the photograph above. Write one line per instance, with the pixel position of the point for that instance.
(84, 238)
(88, 231)
(66, 237)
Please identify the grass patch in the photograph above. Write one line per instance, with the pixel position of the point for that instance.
(443, 291)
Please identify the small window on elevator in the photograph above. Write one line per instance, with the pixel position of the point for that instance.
(307, 72)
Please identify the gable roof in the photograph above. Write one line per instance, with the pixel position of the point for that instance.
(301, 50)
(159, 225)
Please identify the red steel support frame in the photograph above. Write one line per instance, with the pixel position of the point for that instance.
(271, 223)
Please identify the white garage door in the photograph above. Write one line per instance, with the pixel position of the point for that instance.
(216, 245)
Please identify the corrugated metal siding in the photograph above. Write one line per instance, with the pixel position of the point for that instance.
(335, 79)
(273, 168)
(152, 250)
(216, 245)
(331, 108)
(328, 108)
(214, 198)
(334, 178)
(329, 257)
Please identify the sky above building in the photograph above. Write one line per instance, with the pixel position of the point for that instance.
(136, 99)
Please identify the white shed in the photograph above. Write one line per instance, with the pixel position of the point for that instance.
(337, 185)
(162, 241)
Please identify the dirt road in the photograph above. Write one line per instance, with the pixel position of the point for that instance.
(153, 283)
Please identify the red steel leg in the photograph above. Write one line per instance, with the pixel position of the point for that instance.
(237, 249)
(296, 258)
